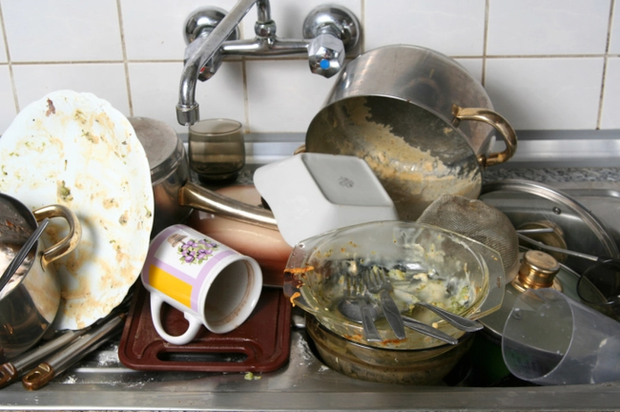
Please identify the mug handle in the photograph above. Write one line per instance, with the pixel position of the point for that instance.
(186, 337)
(69, 242)
(498, 122)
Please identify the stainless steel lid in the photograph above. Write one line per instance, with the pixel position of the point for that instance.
(532, 204)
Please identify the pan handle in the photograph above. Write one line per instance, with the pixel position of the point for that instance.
(198, 197)
(498, 122)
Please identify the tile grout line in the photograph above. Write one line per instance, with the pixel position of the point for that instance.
(599, 120)
(292, 58)
(9, 63)
(362, 21)
(246, 96)
(485, 39)
(125, 61)
(244, 79)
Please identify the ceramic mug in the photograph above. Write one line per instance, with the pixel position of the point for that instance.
(212, 284)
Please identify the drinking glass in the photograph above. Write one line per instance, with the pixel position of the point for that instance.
(216, 149)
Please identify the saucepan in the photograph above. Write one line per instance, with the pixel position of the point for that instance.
(30, 301)
(419, 119)
(250, 230)
(175, 195)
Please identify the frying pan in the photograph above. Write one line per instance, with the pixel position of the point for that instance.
(252, 230)
(175, 195)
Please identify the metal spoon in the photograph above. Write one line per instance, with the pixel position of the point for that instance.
(543, 246)
(359, 310)
(21, 255)
(351, 310)
(459, 322)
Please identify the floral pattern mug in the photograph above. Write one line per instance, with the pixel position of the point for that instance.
(212, 284)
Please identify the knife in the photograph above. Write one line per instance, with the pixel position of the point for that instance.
(13, 370)
(77, 349)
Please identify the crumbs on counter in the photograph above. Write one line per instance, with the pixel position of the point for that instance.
(251, 377)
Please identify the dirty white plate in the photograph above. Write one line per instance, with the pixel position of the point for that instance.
(76, 150)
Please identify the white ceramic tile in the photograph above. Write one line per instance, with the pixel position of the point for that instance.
(546, 93)
(473, 66)
(154, 28)
(290, 15)
(284, 96)
(611, 100)
(7, 102)
(67, 30)
(453, 27)
(3, 56)
(155, 92)
(106, 81)
(614, 40)
(549, 27)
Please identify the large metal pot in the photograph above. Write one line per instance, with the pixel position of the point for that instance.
(30, 301)
(401, 108)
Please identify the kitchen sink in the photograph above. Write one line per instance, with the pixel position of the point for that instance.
(100, 381)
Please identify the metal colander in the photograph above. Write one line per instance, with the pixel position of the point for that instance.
(478, 221)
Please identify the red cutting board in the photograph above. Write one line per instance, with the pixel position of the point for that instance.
(260, 344)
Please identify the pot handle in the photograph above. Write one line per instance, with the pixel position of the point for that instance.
(498, 122)
(69, 242)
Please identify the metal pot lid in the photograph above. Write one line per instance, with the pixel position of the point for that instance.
(532, 204)
(164, 150)
(416, 154)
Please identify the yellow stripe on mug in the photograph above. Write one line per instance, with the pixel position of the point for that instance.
(166, 283)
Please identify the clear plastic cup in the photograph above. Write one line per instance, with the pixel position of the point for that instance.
(550, 339)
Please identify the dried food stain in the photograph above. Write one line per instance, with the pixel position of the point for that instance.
(50, 108)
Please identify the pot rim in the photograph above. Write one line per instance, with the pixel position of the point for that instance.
(31, 220)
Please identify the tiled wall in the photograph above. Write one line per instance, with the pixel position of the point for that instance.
(546, 64)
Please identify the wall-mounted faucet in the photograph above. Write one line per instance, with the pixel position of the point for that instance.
(211, 33)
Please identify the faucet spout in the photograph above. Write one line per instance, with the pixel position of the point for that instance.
(199, 52)
(329, 32)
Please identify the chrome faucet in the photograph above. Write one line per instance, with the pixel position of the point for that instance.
(211, 33)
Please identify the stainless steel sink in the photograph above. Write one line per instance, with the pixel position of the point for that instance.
(102, 382)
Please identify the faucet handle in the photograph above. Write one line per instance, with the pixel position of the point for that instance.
(332, 30)
(326, 55)
(198, 26)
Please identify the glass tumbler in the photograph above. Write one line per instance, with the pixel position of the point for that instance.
(216, 150)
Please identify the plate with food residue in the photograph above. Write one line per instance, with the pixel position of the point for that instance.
(76, 150)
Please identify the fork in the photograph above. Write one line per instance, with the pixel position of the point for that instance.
(355, 306)
(377, 281)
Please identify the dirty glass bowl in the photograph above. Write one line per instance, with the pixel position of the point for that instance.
(423, 263)
(416, 367)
